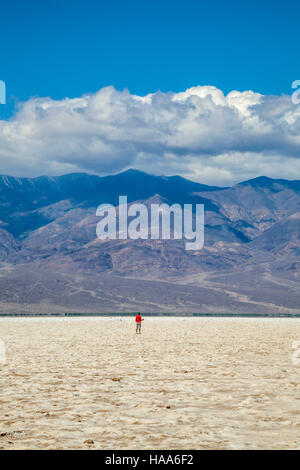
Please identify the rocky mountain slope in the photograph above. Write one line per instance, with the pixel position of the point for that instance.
(51, 260)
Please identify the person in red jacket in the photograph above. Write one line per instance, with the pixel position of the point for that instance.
(138, 322)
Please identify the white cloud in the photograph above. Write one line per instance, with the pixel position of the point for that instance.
(199, 133)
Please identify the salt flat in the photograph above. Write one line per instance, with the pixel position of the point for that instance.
(185, 383)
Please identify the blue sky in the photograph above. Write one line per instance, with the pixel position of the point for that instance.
(52, 50)
(73, 47)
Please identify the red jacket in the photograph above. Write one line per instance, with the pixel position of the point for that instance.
(138, 318)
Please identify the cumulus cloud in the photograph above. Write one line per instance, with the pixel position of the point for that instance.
(200, 134)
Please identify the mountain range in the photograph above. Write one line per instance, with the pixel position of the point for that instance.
(52, 261)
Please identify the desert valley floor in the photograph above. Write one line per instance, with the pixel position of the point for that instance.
(184, 383)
